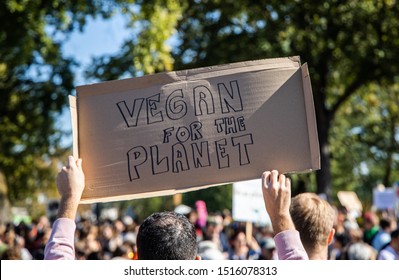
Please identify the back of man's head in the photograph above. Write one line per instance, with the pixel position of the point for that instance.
(314, 219)
(166, 236)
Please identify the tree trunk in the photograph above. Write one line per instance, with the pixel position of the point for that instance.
(323, 175)
(390, 152)
(5, 206)
(323, 119)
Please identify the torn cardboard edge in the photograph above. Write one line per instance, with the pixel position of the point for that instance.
(186, 75)
(190, 74)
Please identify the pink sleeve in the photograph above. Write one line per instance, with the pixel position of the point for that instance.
(61, 243)
(289, 246)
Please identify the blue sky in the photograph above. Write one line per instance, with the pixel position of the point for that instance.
(99, 37)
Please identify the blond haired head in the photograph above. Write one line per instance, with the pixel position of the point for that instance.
(314, 219)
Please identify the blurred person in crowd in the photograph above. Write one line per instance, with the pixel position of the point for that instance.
(43, 224)
(355, 236)
(345, 227)
(243, 249)
(12, 245)
(356, 248)
(20, 243)
(313, 218)
(118, 230)
(213, 231)
(12, 253)
(40, 243)
(391, 250)
(114, 235)
(268, 249)
(340, 217)
(8, 250)
(339, 246)
(192, 216)
(227, 218)
(124, 252)
(3, 246)
(208, 250)
(9, 235)
(202, 212)
(96, 255)
(131, 229)
(383, 235)
(370, 225)
(361, 251)
(80, 253)
(105, 238)
(264, 232)
(86, 239)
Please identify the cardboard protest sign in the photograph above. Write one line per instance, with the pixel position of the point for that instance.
(350, 201)
(248, 203)
(179, 131)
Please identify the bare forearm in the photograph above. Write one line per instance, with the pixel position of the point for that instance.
(281, 223)
(68, 208)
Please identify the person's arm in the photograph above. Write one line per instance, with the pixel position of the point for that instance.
(289, 245)
(60, 245)
(276, 191)
(70, 184)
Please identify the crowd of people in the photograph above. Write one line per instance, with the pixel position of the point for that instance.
(326, 231)
(220, 238)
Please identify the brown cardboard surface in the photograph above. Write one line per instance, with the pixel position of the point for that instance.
(179, 131)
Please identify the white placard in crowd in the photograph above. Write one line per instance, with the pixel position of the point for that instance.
(384, 199)
(248, 204)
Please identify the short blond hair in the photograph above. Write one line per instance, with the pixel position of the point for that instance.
(313, 218)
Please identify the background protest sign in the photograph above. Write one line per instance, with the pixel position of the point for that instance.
(248, 203)
(350, 201)
(384, 199)
(173, 132)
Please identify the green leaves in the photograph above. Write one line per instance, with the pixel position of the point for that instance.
(148, 50)
(366, 146)
(35, 81)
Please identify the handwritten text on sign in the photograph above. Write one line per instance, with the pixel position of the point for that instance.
(188, 149)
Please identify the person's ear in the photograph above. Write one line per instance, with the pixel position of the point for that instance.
(330, 236)
(197, 258)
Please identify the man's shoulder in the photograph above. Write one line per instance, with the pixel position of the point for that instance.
(388, 253)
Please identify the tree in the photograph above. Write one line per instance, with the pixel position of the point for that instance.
(35, 81)
(153, 23)
(367, 130)
(217, 199)
(348, 46)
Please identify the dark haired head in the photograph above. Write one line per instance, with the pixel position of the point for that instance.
(395, 233)
(166, 236)
(385, 224)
